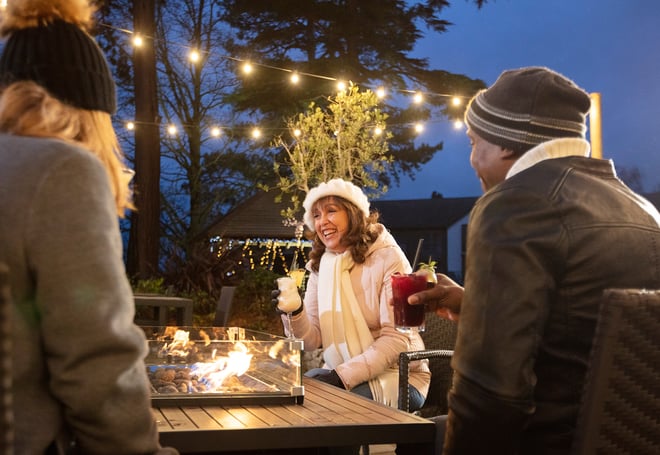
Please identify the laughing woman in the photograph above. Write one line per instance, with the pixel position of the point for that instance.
(346, 305)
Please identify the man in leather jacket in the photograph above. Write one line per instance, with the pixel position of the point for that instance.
(553, 229)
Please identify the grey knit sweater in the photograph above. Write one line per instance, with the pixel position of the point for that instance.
(78, 357)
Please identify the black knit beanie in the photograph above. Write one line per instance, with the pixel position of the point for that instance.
(63, 59)
(528, 106)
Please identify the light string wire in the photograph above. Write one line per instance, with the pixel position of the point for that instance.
(255, 131)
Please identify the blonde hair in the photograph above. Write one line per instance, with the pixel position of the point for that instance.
(26, 109)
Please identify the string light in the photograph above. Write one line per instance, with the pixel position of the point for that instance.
(297, 132)
(248, 67)
(270, 252)
(194, 56)
(458, 124)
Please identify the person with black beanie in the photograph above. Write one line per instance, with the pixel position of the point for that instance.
(79, 382)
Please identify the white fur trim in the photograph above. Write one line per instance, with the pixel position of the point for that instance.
(334, 187)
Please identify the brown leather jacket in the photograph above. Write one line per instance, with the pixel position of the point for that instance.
(542, 247)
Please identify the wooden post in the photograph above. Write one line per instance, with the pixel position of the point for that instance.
(144, 241)
(595, 127)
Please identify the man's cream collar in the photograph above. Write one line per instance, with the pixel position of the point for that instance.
(556, 148)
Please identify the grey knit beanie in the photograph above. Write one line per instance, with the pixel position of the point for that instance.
(63, 59)
(528, 106)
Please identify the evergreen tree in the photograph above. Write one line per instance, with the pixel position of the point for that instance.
(367, 42)
(202, 176)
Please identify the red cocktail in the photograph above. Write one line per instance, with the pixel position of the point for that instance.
(407, 317)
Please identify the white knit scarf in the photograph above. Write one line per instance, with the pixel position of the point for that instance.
(345, 333)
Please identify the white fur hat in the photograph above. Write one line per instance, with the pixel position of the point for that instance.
(334, 187)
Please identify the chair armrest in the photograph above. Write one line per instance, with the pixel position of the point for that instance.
(404, 359)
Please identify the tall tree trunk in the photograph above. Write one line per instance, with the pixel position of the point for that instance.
(143, 247)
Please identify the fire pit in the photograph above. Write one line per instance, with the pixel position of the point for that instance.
(222, 365)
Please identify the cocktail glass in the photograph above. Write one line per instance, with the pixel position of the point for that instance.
(407, 318)
(287, 285)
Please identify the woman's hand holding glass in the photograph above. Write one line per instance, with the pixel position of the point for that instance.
(287, 301)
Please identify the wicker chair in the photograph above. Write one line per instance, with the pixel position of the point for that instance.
(6, 412)
(620, 409)
(439, 339)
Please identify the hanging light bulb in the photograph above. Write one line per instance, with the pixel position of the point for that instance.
(458, 124)
(137, 40)
(247, 68)
(295, 78)
(378, 131)
(194, 56)
(418, 98)
(380, 92)
(419, 128)
(341, 86)
(130, 126)
(297, 132)
(172, 130)
(256, 133)
(216, 132)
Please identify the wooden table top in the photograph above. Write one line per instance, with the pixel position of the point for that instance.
(328, 417)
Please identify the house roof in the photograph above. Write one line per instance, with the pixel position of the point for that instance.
(258, 217)
(436, 212)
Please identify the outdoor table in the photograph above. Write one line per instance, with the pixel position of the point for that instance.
(162, 305)
(328, 417)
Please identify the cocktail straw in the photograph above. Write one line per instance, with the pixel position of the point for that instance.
(419, 250)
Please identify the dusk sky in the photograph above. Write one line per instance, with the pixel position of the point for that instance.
(606, 46)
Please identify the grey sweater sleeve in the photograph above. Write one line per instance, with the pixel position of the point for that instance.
(94, 352)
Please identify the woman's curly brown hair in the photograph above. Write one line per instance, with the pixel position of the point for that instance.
(358, 237)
